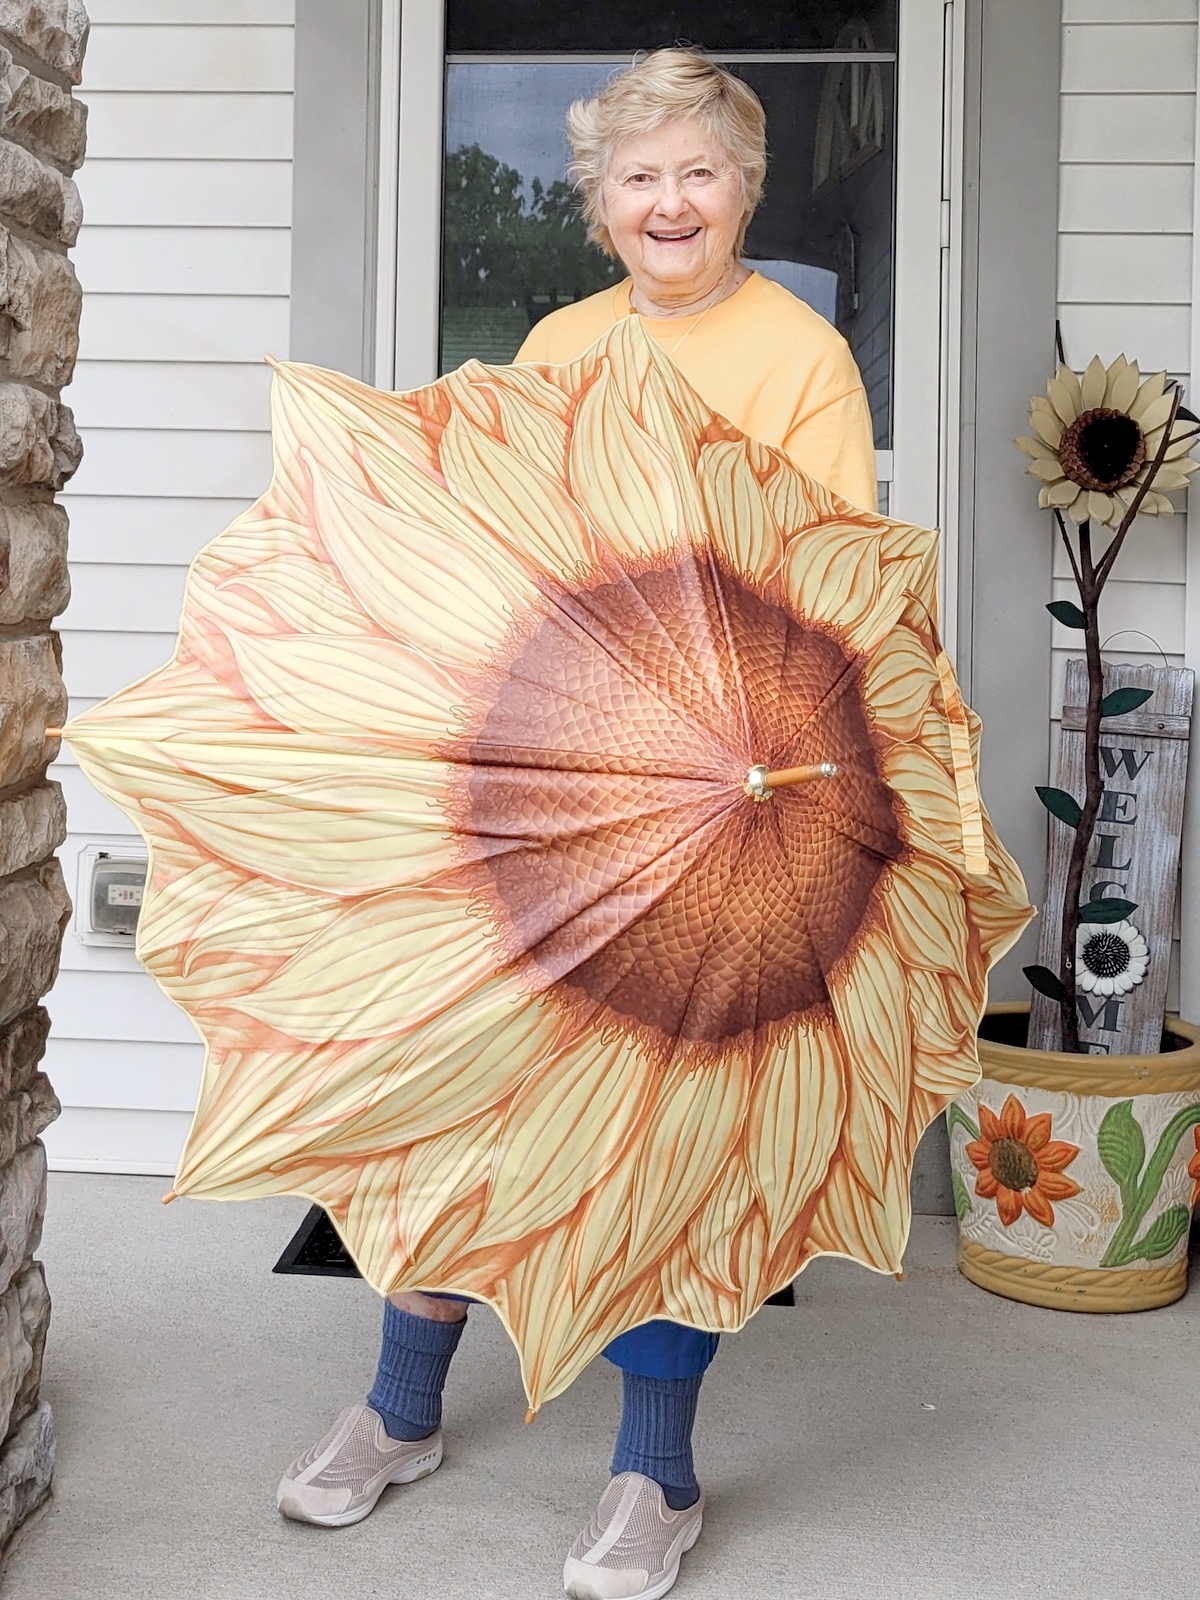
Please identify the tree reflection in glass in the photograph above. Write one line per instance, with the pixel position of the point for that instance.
(511, 253)
(515, 247)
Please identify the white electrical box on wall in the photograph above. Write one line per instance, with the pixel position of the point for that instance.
(109, 892)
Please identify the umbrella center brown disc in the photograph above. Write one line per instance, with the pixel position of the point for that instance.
(601, 807)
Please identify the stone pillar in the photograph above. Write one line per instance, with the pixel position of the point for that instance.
(42, 132)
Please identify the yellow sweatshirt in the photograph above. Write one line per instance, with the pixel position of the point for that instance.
(764, 360)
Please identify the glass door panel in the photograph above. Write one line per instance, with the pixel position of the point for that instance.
(513, 243)
(514, 246)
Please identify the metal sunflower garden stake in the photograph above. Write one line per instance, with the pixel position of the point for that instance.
(1070, 1159)
(1106, 449)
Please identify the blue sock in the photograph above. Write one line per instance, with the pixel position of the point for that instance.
(413, 1364)
(655, 1437)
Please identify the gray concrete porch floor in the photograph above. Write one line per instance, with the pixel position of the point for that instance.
(883, 1441)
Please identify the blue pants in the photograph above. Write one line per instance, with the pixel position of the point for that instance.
(655, 1350)
(663, 1350)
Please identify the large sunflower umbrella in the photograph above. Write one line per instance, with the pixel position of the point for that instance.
(564, 834)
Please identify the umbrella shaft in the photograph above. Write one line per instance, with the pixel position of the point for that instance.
(760, 781)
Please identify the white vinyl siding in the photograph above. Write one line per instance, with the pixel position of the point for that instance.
(1126, 201)
(185, 260)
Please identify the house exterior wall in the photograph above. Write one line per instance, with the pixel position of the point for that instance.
(1125, 276)
(185, 259)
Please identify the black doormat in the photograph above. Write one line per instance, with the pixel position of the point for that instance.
(316, 1251)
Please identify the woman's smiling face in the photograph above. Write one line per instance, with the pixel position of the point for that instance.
(673, 203)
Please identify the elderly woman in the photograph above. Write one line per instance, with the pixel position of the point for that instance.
(670, 159)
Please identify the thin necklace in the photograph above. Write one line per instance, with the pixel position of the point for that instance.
(691, 328)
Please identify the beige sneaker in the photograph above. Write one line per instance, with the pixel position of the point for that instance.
(339, 1480)
(631, 1548)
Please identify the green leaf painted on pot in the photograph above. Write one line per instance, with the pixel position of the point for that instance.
(1045, 982)
(1120, 701)
(1060, 804)
(1162, 1237)
(956, 1117)
(1106, 910)
(1068, 614)
(1122, 1148)
(962, 1200)
(1134, 1207)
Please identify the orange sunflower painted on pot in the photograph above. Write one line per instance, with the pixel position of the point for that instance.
(455, 865)
(1194, 1167)
(1020, 1166)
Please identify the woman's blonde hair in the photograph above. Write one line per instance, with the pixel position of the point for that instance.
(663, 86)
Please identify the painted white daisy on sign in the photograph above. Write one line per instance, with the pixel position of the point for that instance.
(1112, 957)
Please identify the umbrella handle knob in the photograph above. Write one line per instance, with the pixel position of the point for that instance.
(761, 782)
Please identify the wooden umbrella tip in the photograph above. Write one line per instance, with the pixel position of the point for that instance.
(531, 1415)
(169, 1196)
(899, 1277)
(54, 733)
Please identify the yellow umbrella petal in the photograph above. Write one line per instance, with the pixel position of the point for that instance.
(712, 1234)
(347, 1096)
(850, 1220)
(528, 508)
(689, 1132)
(623, 477)
(933, 821)
(454, 599)
(436, 1174)
(796, 1114)
(388, 964)
(346, 688)
(689, 1297)
(899, 683)
(791, 497)
(834, 573)
(321, 835)
(736, 511)
(869, 1001)
(289, 593)
(927, 917)
(585, 1105)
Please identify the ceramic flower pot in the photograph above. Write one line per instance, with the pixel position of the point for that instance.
(1075, 1175)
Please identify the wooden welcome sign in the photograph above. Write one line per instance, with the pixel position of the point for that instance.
(1134, 856)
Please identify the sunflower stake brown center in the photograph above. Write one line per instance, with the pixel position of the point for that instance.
(1102, 450)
